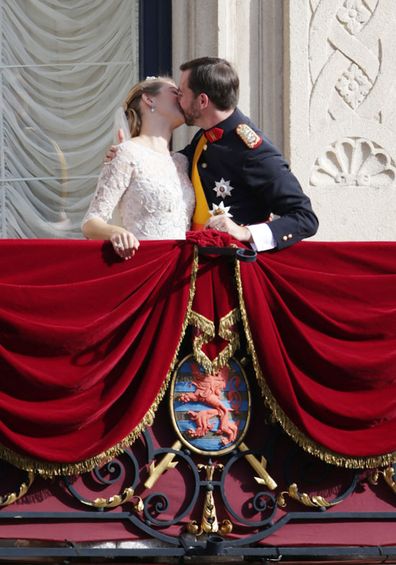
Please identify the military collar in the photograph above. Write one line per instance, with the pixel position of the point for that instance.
(213, 134)
(229, 124)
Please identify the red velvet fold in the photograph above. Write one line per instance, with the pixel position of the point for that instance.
(323, 321)
(86, 342)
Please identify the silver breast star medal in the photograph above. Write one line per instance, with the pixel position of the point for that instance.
(220, 209)
(223, 188)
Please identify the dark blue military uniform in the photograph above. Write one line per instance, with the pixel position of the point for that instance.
(255, 182)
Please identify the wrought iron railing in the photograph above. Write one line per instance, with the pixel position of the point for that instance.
(208, 522)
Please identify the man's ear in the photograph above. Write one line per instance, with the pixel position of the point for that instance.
(203, 100)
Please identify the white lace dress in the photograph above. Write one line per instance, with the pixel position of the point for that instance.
(152, 190)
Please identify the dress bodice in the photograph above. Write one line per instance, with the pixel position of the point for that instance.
(152, 190)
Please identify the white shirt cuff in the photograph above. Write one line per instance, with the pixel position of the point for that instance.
(263, 239)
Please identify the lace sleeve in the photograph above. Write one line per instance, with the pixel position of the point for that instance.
(112, 183)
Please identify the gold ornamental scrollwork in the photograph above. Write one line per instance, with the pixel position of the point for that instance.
(209, 523)
(315, 501)
(12, 497)
(127, 495)
(260, 468)
(389, 475)
(156, 470)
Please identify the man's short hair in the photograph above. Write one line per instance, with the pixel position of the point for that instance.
(216, 78)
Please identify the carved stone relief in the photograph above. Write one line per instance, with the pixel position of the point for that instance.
(344, 66)
(353, 162)
(354, 14)
(353, 86)
(342, 123)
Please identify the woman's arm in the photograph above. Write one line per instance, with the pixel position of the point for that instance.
(112, 183)
(125, 244)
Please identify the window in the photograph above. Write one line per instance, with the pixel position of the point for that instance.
(64, 69)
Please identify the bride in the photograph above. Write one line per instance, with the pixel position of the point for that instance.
(149, 185)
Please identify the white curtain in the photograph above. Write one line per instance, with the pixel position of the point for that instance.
(65, 66)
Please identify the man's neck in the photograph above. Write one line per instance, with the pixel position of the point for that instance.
(214, 117)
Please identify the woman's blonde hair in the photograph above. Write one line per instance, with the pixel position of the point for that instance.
(133, 113)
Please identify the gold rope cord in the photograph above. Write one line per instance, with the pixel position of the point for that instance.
(207, 329)
(46, 468)
(309, 445)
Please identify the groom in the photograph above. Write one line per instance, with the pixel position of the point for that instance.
(234, 168)
(240, 179)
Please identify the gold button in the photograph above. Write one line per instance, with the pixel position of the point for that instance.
(290, 236)
(205, 147)
(284, 238)
(204, 165)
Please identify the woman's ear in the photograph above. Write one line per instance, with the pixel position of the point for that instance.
(148, 100)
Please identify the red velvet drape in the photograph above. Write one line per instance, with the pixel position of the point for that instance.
(323, 322)
(87, 342)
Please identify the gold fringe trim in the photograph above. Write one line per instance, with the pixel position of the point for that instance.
(48, 469)
(309, 445)
(227, 322)
(208, 333)
(203, 324)
(226, 332)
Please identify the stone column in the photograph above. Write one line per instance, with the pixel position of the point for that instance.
(340, 113)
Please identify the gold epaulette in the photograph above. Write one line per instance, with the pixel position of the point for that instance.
(248, 136)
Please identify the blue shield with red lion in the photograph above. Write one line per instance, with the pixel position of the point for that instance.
(210, 410)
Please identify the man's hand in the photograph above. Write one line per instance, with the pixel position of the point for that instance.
(112, 151)
(125, 244)
(225, 224)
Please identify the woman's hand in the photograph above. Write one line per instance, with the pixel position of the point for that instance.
(125, 244)
(112, 150)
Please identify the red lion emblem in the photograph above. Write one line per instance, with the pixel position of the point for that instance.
(209, 389)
